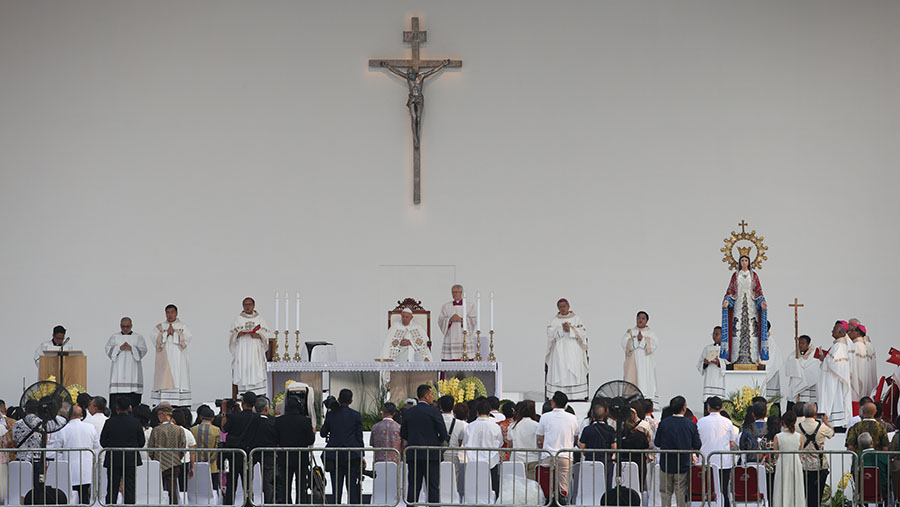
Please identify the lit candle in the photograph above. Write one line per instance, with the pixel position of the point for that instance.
(298, 311)
(464, 326)
(276, 310)
(287, 315)
(477, 310)
(492, 310)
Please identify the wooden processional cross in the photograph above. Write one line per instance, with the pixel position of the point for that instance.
(415, 79)
(796, 306)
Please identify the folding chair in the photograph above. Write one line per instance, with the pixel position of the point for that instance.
(591, 483)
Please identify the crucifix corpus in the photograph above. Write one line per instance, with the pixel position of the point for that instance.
(415, 73)
(796, 306)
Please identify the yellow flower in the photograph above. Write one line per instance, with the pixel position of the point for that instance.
(845, 479)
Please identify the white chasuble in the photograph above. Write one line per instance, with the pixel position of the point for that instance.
(803, 375)
(834, 385)
(640, 360)
(126, 373)
(451, 349)
(713, 374)
(172, 378)
(417, 350)
(863, 369)
(872, 377)
(567, 357)
(248, 364)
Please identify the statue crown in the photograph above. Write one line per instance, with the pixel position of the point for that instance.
(745, 250)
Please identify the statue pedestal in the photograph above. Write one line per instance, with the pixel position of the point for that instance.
(735, 380)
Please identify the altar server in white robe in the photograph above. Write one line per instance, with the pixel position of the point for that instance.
(58, 340)
(834, 384)
(803, 373)
(640, 344)
(566, 358)
(126, 349)
(248, 342)
(406, 341)
(172, 379)
(711, 367)
(450, 323)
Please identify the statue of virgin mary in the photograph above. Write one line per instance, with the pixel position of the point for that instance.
(744, 324)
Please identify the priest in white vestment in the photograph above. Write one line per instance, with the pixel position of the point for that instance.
(450, 324)
(172, 380)
(834, 384)
(58, 340)
(711, 367)
(803, 373)
(640, 344)
(406, 341)
(248, 343)
(126, 349)
(566, 358)
(863, 368)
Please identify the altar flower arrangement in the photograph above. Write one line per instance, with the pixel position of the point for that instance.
(462, 390)
(841, 497)
(75, 390)
(738, 402)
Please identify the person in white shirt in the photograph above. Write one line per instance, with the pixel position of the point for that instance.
(717, 434)
(494, 402)
(126, 349)
(59, 341)
(182, 418)
(522, 434)
(455, 427)
(78, 435)
(97, 411)
(557, 430)
(484, 432)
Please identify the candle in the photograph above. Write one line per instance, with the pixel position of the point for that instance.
(276, 309)
(492, 310)
(287, 315)
(477, 310)
(298, 311)
(464, 326)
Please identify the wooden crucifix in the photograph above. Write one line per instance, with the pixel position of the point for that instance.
(415, 79)
(796, 306)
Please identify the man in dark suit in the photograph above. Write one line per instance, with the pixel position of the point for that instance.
(293, 430)
(423, 425)
(343, 428)
(261, 434)
(122, 430)
(235, 426)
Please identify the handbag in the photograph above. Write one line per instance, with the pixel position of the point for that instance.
(317, 482)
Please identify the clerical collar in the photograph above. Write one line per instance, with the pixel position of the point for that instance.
(457, 303)
(127, 334)
(566, 316)
(249, 315)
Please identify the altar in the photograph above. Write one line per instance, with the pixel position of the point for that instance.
(364, 377)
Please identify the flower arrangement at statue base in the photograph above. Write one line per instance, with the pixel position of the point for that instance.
(738, 402)
(840, 498)
(462, 389)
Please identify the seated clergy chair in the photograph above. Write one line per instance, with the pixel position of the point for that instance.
(420, 315)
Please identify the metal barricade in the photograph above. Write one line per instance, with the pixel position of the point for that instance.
(292, 476)
(168, 476)
(651, 477)
(757, 477)
(877, 476)
(456, 476)
(68, 471)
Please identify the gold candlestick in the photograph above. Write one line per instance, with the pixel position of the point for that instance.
(287, 351)
(297, 346)
(465, 355)
(478, 345)
(491, 357)
(275, 356)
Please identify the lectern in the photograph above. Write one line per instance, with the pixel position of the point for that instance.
(72, 362)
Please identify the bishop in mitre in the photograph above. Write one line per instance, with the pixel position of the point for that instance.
(834, 384)
(711, 367)
(803, 373)
(248, 342)
(450, 321)
(863, 368)
(126, 349)
(406, 341)
(640, 344)
(566, 359)
(172, 379)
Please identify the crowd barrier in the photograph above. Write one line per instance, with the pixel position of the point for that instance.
(462, 476)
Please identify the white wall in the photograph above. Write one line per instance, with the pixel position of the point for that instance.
(199, 152)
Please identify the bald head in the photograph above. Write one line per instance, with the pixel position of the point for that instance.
(77, 413)
(868, 410)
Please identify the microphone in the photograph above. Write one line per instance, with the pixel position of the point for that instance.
(63, 344)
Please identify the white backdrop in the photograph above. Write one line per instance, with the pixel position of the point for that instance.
(199, 152)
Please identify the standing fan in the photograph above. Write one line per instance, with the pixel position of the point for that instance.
(620, 395)
(49, 407)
